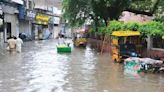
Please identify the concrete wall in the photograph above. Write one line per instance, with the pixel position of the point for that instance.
(44, 4)
(12, 18)
(56, 31)
(25, 27)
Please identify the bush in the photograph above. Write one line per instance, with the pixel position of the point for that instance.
(152, 28)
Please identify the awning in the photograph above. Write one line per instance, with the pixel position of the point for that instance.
(18, 1)
(126, 33)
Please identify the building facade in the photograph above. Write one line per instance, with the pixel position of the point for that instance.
(47, 20)
(27, 15)
(10, 19)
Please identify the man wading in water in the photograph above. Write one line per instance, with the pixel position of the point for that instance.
(11, 44)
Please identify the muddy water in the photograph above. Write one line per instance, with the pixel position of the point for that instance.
(39, 68)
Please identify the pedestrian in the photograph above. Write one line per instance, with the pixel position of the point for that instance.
(11, 44)
(61, 40)
(19, 43)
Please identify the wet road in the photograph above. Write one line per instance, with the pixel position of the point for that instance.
(39, 68)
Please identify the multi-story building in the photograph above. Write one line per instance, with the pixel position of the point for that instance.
(10, 17)
(45, 19)
(28, 16)
(26, 22)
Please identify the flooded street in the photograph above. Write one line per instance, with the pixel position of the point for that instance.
(39, 68)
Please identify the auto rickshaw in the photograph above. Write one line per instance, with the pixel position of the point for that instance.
(125, 44)
(80, 39)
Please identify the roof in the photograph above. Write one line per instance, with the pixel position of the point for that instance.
(125, 33)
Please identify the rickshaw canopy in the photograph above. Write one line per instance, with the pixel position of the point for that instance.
(125, 33)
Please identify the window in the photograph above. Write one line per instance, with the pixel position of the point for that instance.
(158, 42)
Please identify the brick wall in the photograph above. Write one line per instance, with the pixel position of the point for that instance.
(156, 52)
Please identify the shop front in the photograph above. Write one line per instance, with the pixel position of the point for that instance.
(11, 23)
(42, 26)
(26, 24)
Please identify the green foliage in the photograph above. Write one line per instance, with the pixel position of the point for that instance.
(77, 12)
(131, 26)
(101, 30)
(143, 4)
(114, 26)
(159, 13)
(152, 28)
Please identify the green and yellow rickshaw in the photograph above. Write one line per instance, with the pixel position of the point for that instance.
(125, 44)
(80, 39)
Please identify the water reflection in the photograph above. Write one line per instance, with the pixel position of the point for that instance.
(48, 72)
(39, 68)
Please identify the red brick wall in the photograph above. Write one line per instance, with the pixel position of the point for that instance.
(97, 44)
(154, 52)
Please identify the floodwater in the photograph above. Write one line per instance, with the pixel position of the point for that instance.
(39, 68)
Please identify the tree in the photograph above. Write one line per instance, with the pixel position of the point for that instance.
(76, 12)
(159, 14)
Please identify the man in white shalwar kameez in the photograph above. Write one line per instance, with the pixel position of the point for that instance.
(19, 43)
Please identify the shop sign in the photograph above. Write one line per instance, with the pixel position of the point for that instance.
(56, 20)
(21, 12)
(31, 14)
(42, 19)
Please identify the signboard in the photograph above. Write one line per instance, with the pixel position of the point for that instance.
(30, 14)
(21, 12)
(56, 20)
(42, 19)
